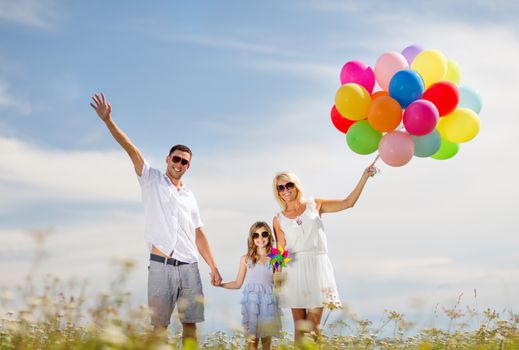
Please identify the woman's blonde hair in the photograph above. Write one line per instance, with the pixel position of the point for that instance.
(290, 177)
(252, 254)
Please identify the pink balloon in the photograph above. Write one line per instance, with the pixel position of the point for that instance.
(396, 148)
(387, 65)
(358, 72)
(420, 117)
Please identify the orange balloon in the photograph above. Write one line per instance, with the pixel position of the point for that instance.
(385, 114)
(379, 94)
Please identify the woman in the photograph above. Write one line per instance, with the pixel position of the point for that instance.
(310, 282)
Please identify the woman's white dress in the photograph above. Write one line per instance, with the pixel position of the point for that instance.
(310, 280)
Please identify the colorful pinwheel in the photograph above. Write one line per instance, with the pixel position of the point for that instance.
(278, 257)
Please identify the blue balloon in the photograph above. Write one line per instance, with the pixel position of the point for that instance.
(427, 145)
(406, 86)
(469, 98)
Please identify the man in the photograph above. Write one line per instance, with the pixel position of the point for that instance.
(173, 231)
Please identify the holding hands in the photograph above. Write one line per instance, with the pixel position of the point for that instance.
(216, 279)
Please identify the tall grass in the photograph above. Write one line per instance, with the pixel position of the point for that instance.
(52, 318)
(54, 314)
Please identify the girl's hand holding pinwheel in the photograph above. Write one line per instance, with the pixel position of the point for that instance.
(278, 259)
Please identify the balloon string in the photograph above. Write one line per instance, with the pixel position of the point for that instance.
(377, 170)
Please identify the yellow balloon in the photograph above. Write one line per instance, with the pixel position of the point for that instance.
(352, 101)
(460, 126)
(431, 65)
(453, 72)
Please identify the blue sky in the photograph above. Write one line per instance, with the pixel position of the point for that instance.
(249, 88)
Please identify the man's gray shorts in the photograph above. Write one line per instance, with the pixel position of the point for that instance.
(169, 285)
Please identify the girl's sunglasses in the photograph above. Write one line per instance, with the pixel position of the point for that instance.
(287, 186)
(264, 234)
(177, 159)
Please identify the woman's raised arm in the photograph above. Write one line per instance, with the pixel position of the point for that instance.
(333, 206)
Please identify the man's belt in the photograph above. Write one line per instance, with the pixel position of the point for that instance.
(169, 261)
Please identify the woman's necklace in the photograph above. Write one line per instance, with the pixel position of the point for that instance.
(298, 219)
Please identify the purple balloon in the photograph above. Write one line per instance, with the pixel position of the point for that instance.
(358, 72)
(420, 117)
(410, 53)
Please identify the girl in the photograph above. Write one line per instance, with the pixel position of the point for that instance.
(310, 281)
(259, 308)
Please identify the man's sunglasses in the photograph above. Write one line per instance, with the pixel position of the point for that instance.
(264, 234)
(287, 186)
(177, 159)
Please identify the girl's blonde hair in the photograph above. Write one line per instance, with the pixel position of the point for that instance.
(252, 254)
(289, 177)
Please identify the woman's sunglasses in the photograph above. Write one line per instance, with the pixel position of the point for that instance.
(287, 186)
(264, 234)
(177, 159)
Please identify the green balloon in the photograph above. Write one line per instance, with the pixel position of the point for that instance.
(362, 138)
(447, 150)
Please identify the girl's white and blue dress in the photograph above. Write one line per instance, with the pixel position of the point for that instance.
(310, 280)
(261, 316)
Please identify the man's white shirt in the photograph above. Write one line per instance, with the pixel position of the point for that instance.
(171, 215)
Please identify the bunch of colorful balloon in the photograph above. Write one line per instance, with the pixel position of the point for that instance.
(421, 110)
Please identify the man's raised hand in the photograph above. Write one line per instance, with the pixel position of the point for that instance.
(102, 108)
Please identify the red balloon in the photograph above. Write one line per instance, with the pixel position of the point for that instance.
(444, 95)
(342, 124)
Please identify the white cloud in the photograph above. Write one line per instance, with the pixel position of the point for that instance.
(32, 173)
(471, 9)
(86, 250)
(160, 32)
(33, 13)
(336, 6)
(319, 72)
(235, 44)
(8, 101)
